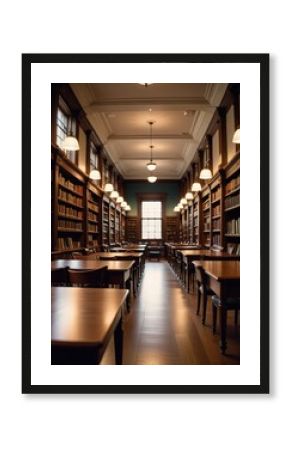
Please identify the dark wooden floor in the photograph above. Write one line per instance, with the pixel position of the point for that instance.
(162, 327)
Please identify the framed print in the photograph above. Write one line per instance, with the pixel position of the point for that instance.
(145, 223)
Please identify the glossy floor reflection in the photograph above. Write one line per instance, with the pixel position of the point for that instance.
(162, 327)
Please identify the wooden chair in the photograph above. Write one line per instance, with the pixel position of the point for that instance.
(105, 248)
(87, 278)
(59, 277)
(229, 304)
(202, 291)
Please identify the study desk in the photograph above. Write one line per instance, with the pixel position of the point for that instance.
(223, 277)
(83, 321)
(118, 272)
(202, 254)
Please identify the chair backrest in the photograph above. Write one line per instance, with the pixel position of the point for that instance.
(200, 275)
(105, 248)
(59, 277)
(87, 278)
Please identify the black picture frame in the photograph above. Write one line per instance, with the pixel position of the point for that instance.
(263, 61)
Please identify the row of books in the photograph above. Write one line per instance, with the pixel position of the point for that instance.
(233, 226)
(233, 249)
(216, 224)
(67, 196)
(205, 205)
(93, 206)
(93, 228)
(216, 210)
(216, 239)
(233, 184)
(92, 216)
(92, 242)
(69, 211)
(231, 201)
(72, 225)
(68, 184)
(67, 243)
(195, 222)
(215, 195)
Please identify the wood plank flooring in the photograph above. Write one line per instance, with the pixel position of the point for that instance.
(162, 327)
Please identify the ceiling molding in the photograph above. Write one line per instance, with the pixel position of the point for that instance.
(139, 104)
(129, 137)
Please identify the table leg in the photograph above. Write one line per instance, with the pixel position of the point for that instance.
(223, 325)
(118, 342)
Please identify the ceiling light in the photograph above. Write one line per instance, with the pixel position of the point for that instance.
(114, 195)
(128, 208)
(205, 174)
(152, 179)
(189, 196)
(151, 165)
(196, 187)
(176, 209)
(236, 136)
(119, 199)
(183, 201)
(95, 174)
(70, 144)
(123, 204)
(108, 187)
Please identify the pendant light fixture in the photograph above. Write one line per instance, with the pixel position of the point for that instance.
(114, 195)
(123, 204)
(196, 186)
(206, 173)
(119, 199)
(128, 208)
(236, 136)
(95, 174)
(108, 187)
(152, 179)
(70, 144)
(151, 166)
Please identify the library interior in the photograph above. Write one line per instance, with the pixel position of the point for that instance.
(145, 223)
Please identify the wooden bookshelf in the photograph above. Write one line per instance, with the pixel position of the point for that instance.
(82, 216)
(118, 225)
(105, 220)
(206, 216)
(132, 229)
(123, 227)
(232, 206)
(196, 219)
(216, 187)
(68, 207)
(171, 229)
(190, 224)
(93, 212)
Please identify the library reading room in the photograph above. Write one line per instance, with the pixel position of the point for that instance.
(145, 223)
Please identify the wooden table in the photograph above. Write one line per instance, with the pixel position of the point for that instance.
(118, 272)
(224, 279)
(202, 254)
(138, 257)
(83, 320)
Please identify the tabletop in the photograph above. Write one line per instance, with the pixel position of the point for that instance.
(210, 253)
(119, 254)
(84, 316)
(221, 270)
(83, 264)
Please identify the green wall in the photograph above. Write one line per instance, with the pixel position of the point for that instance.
(170, 188)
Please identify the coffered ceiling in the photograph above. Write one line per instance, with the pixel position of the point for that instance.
(120, 114)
